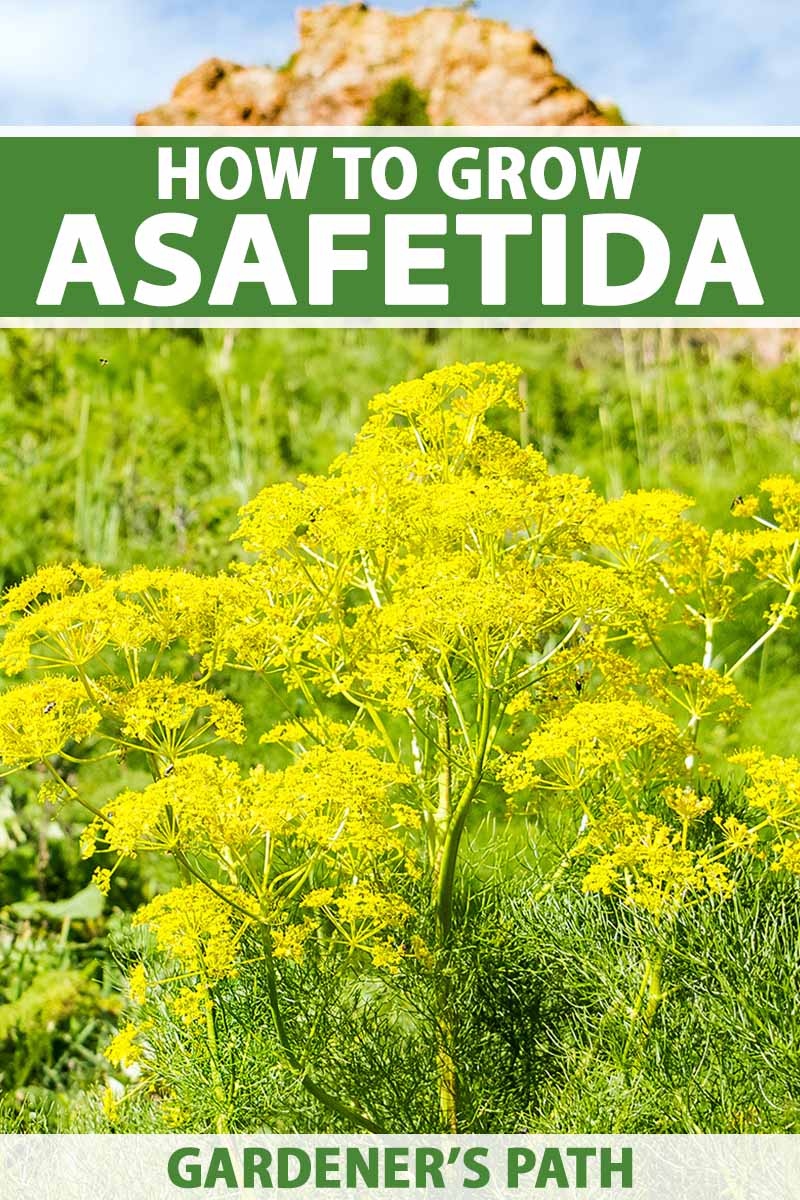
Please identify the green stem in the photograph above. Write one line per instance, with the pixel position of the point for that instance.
(443, 896)
(768, 633)
(556, 874)
(340, 1107)
(221, 1124)
(648, 998)
(445, 872)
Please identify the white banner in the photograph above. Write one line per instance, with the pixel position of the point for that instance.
(34, 1167)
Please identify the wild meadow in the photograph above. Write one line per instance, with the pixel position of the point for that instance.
(398, 745)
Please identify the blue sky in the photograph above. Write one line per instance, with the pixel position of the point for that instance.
(663, 61)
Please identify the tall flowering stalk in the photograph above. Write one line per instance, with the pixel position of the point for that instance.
(439, 617)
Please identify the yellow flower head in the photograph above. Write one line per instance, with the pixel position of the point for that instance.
(646, 864)
(191, 1005)
(37, 720)
(699, 691)
(137, 984)
(124, 1050)
(637, 530)
(195, 927)
(773, 790)
(362, 917)
(66, 616)
(110, 1105)
(784, 495)
(594, 736)
(685, 802)
(202, 803)
(171, 716)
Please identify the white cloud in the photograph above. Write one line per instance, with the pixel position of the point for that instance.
(682, 61)
(99, 61)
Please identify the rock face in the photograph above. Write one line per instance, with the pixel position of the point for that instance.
(473, 72)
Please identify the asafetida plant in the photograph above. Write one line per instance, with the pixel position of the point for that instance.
(441, 618)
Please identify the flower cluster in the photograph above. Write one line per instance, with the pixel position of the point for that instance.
(169, 717)
(625, 741)
(198, 928)
(323, 820)
(773, 793)
(641, 861)
(38, 720)
(438, 612)
(698, 691)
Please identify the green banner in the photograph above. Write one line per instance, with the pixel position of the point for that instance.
(343, 226)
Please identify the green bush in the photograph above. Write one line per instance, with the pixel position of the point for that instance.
(399, 104)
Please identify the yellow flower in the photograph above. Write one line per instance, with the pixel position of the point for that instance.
(110, 1105)
(745, 506)
(385, 956)
(738, 836)
(196, 927)
(685, 802)
(422, 952)
(70, 624)
(699, 691)
(203, 803)
(102, 879)
(191, 1004)
(181, 607)
(637, 531)
(594, 736)
(471, 389)
(289, 941)
(787, 858)
(773, 784)
(334, 801)
(48, 583)
(773, 791)
(361, 917)
(37, 720)
(171, 716)
(137, 984)
(314, 730)
(174, 1114)
(784, 495)
(646, 864)
(406, 816)
(123, 1050)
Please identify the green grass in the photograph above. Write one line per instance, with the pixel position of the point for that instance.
(148, 457)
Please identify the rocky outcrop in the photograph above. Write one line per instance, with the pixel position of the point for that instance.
(473, 72)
